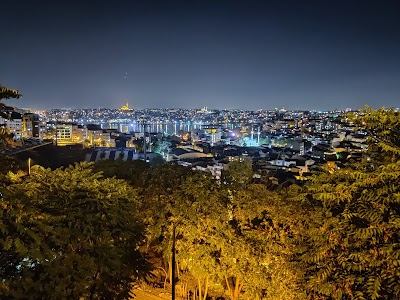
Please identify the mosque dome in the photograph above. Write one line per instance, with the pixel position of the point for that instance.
(125, 107)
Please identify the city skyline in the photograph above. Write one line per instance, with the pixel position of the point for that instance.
(190, 54)
(20, 106)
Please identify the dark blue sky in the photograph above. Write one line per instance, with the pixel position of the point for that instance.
(189, 54)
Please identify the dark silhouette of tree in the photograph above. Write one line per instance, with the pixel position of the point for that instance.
(132, 171)
(6, 93)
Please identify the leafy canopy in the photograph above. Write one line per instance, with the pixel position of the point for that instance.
(6, 93)
(69, 233)
(350, 234)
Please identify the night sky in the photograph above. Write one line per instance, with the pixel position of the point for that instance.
(189, 54)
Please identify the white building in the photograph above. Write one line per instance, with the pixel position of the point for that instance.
(13, 125)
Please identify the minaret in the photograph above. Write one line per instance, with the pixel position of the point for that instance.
(125, 107)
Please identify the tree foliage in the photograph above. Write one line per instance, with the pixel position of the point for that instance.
(383, 127)
(226, 239)
(6, 93)
(131, 171)
(351, 219)
(240, 243)
(239, 173)
(161, 206)
(69, 233)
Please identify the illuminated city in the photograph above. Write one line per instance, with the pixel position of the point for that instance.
(200, 150)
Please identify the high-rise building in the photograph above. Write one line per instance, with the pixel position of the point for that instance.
(64, 135)
(214, 133)
(30, 125)
(70, 134)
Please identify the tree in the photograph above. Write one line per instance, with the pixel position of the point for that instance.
(239, 173)
(197, 210)
(131, 171)
(69, 233)
(162, 209)
(241, 244)
(383, 128)
(351, 219)
(6, 93)
(8, 164)
(227, 239)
